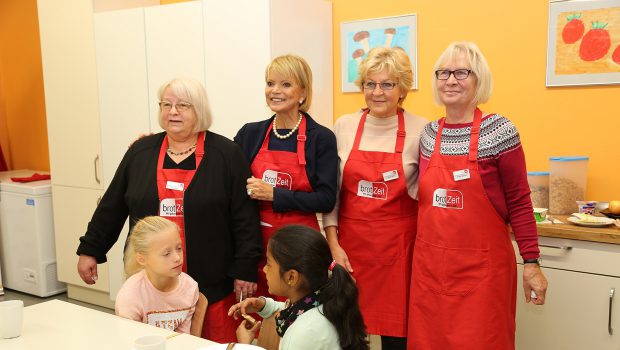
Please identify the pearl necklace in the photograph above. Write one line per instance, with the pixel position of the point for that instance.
(282, 137)
(172, 153)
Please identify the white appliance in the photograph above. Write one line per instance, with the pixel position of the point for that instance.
(27, 251)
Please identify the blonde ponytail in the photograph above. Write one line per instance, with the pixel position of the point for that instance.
(140, 239)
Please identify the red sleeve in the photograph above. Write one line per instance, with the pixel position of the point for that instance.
(513, 174)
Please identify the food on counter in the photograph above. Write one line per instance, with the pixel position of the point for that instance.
(614, 207)
(583, 217)
(563, 194)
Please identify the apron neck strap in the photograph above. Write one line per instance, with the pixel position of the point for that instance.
(301, 139)
(473, 140)
(474, 137)
(400, 133)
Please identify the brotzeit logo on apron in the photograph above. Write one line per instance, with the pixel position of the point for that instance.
(375, 190)
(171, 207)
(278, 179)
(449, 199)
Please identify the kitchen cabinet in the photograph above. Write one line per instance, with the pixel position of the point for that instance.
(102, 72)
(582, 310)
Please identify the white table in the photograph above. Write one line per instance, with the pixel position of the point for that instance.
(59, 325)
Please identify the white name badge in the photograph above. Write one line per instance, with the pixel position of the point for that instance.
(461, 174)
(171, 207)
(177, 186)
(390, 175)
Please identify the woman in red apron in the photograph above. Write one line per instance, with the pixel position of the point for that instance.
(472, 184)
(196, 179)
(372, 230)
(294, 159)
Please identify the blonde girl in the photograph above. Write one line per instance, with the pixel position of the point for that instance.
(156, 291)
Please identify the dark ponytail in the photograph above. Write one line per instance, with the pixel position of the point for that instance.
(305, 250)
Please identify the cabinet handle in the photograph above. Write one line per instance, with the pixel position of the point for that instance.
(610, 329)
(96, 175)
(567, 247)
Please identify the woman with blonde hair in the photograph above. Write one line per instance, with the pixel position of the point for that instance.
(285, 152)
(473, 184)
(156, 291)
(372, 229)
(195, 178)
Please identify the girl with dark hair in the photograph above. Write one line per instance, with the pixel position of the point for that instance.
(322, 310)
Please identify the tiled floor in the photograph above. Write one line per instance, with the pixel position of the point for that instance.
(31, 299)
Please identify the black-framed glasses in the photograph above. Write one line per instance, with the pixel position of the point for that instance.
(386, 85)
(180, 106)
(459, 74)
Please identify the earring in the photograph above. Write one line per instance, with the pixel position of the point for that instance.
(301, 101)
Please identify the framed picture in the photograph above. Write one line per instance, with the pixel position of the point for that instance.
(358, 37)
(583, 42)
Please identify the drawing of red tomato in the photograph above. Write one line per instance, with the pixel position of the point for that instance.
(596, 43)
(616, 55)
(573, 30)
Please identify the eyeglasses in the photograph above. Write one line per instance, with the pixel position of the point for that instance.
(180, 106)
(386, 85)
(459, 74)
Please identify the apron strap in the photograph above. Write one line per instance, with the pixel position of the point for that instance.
(473, 140)
(400, 133)
(301, 141)
(474, 137)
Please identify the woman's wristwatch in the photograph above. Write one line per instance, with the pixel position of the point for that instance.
(532, 261)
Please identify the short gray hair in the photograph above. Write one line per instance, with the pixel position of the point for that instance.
(193, 92)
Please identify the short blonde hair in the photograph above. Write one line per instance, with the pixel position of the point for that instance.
(140, 239)
(397, 63)
(194, 92)
(478, 64)
(297, 69)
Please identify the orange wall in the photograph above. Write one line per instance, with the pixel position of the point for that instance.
(582, 120)
(25, 128)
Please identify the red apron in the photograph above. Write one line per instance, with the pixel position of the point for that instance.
(171, 185)
(287, 170)
(377, 228)
(463, 288)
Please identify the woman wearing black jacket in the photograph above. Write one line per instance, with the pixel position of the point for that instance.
(195, 178)
(294, 160)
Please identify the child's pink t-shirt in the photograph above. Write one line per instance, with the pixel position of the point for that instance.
(139, 300)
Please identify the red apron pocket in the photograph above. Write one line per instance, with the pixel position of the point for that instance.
(450, 271)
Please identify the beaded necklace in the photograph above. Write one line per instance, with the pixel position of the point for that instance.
(282, 137)
(172, 153)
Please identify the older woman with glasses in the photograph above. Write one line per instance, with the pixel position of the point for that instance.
(195, 178)
(294, 159)
(473, 185)
(372, 229)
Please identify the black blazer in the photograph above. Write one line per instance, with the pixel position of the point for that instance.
(321, 164)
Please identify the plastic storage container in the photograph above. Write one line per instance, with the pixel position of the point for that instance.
(567, 183)
(539, 187)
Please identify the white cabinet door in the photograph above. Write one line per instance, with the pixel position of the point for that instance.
(237, 51)
(174, 48)
(73, 208)
(122, 82)
(575, 315)
(70, 81)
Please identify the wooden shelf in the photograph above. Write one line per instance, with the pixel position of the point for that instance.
(608, 234)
